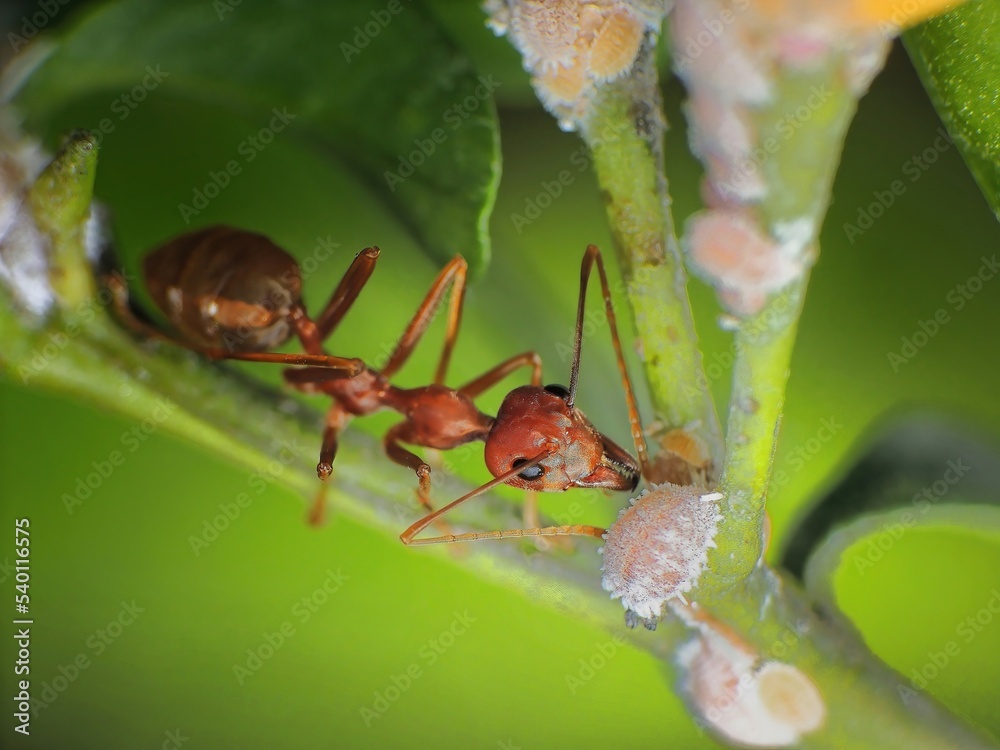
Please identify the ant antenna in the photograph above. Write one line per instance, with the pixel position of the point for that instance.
(423, 523)
(594, 254)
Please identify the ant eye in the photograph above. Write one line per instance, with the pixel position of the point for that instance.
(558, 390)
(535, 472)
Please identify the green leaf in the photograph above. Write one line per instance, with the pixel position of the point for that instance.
(958, 57)
(386, 94)
(918, 463)
(939, 568)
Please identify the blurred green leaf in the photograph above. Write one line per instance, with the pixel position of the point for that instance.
(917, 463)
(940, 568)
(958, 57)
(382, 90)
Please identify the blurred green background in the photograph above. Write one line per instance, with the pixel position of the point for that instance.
(503, 681)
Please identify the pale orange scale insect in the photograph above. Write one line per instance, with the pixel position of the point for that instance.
(616, 44)
(547, 32)
(563, 84)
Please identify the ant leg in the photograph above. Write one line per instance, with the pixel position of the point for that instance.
(398, 454)
(336, 420)
(454, 271)
(490, 378)
(347, 291)
(531, 519)
(591, 255)
(407, 537)
(308, 379)
(311, 333)
(545, 531)
(343, 366)
(119, 297)
(337, 367)
(502, 370)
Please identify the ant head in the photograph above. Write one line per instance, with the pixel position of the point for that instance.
(534, 421)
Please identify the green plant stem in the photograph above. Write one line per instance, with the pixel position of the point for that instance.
(773, 615)
(624, 131)
(798, 175)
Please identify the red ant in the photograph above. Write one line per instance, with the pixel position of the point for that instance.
(539, 440)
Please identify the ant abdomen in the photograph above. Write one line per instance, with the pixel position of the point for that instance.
(226, 288)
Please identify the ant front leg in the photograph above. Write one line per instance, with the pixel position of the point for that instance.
(398, 454)
(488, 380)
(408, 536)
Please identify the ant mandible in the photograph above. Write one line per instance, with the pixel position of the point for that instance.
(539, 440)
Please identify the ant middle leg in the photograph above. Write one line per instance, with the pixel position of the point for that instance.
(398, 454)
(491, 377)
(453, 273)
(336, 420)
